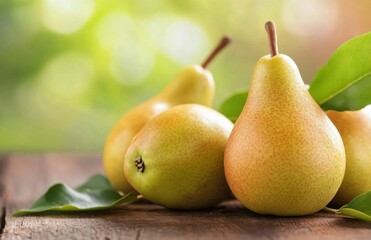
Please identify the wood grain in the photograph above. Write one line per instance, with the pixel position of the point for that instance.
(2, 195)
(26, 177)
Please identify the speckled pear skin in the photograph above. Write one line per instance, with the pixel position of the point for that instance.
(284, 156)
(355, 130)
(193, 84)
(182, 150)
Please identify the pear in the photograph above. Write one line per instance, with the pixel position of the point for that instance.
(355, 130)
(284, 156)
(194, 84)
(176, 160)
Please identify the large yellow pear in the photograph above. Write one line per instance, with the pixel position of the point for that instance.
(355, 130)
(176, 160)
(284, 156)
(194, 84)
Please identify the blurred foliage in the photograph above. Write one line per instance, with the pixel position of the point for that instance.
(69, 69)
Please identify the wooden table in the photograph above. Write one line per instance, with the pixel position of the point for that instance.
(24, 178)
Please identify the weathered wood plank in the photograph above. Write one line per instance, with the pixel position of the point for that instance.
(2, 195)
(27, 177)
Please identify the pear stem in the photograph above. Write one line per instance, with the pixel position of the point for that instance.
(272, 36)
(222, 44)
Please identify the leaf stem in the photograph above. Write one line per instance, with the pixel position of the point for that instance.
(331, 210)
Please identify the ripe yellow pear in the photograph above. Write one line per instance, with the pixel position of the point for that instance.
(194, 84)
(355, 130)
(176, 160)
(284, 156)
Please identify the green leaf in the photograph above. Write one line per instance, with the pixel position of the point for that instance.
(355, 97)
(344, 82)
(96, 194)
(359, 207)
(233, 105)
(97, 182)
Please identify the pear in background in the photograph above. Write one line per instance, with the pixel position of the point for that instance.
(194, 84)
(355, 130)
(284, 156)
(176, 160)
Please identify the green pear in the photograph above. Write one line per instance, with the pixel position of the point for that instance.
(284, 156)
(176, 160)
(355, 130)
(194, 84)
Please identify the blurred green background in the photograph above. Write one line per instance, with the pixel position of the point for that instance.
(69, 69)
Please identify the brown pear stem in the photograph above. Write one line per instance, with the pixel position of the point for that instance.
(272, 36)
(222, 44)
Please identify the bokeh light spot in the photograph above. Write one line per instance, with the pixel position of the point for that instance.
(66, 16)
(68, 76)
(305, 18)
(113, 29)
(185, 42)
(131, 61)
